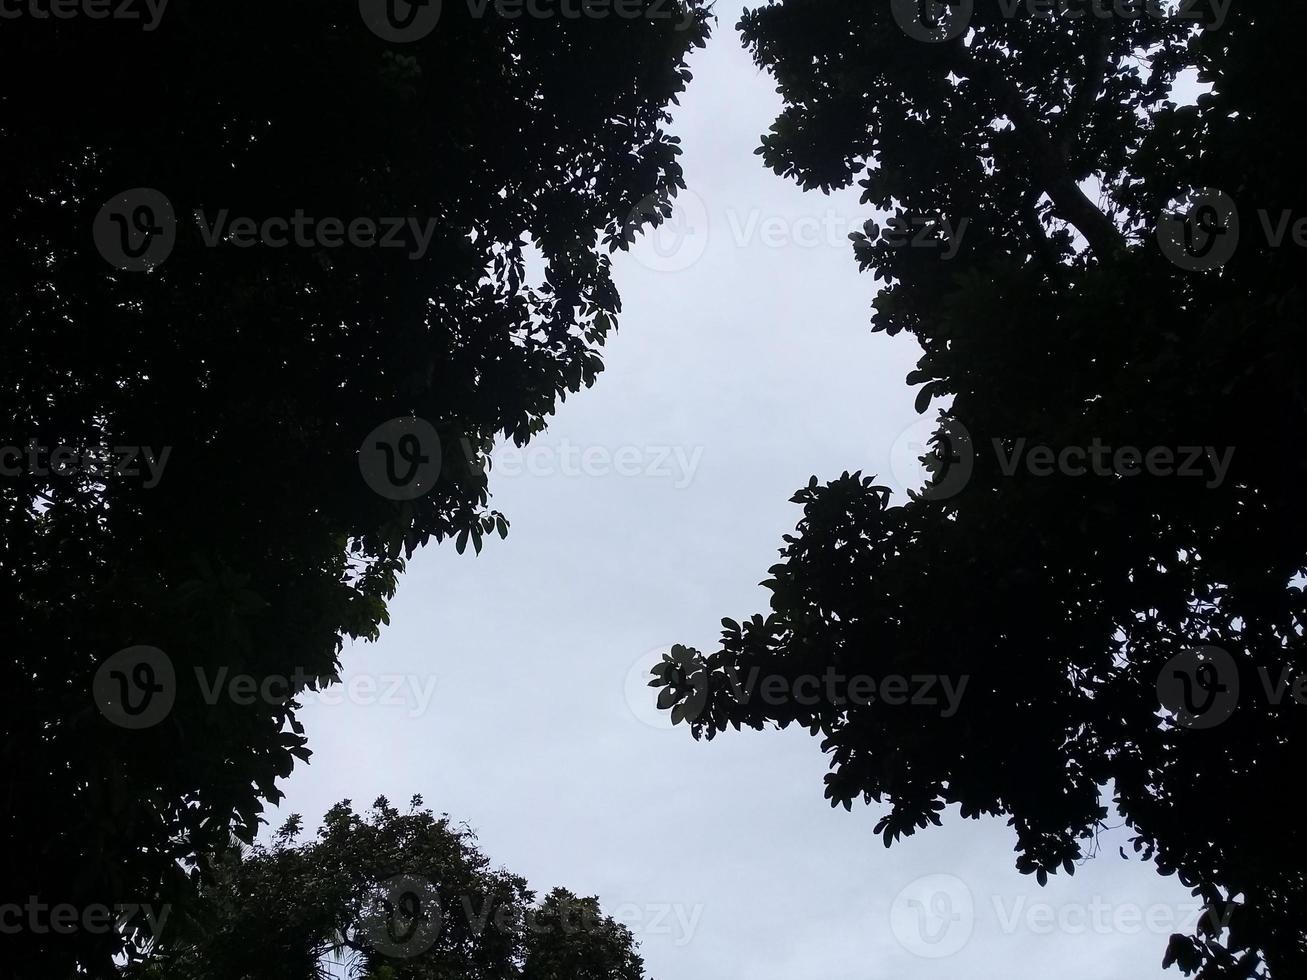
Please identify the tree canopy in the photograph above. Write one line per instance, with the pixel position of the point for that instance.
(387, 896)
(1091, 155)
(274, 275)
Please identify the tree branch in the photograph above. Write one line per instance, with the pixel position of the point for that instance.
(1051, 167)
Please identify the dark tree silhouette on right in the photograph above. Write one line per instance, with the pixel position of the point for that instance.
(1126, 610)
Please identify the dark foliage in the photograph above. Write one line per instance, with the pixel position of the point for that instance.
(1061, 598)
(386, 896)
(260, 370)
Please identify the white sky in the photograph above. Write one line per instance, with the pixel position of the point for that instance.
(746, 349)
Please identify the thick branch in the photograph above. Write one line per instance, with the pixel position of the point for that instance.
(1052, 170)
(1097, 58)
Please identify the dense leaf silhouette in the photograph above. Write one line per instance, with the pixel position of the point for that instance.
(387, 896)
(1060, 598)
(519, 148)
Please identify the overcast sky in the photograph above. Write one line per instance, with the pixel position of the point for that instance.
(744, 364)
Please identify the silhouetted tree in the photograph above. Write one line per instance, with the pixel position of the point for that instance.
(388, 896)
(201, 256)
(1093, 298)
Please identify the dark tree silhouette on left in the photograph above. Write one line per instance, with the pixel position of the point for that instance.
(239, 239)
